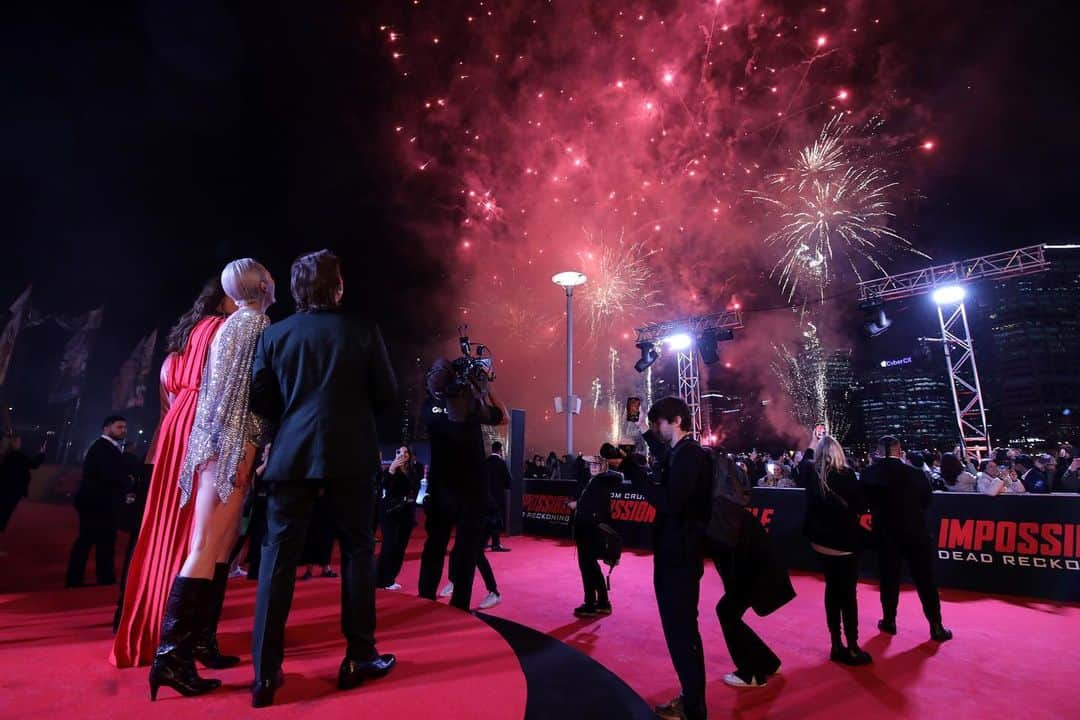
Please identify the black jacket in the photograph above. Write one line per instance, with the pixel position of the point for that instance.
(322, 377)
(401, 488)
(105, 479)
(832, 517)
(681, 492)
(15, 473)
(497, 476)
(1035, 481)
(594, 499)
(898, 496)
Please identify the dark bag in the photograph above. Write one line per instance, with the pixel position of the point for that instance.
(609, 548)
(730, 495)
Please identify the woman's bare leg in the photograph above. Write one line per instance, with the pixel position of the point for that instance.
(203, 553)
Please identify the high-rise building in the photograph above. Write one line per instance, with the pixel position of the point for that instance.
(911, 400)
(1030, 376)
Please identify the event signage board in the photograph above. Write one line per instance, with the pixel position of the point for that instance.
(1018, 545)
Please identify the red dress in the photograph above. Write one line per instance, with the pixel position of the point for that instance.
(165, 535)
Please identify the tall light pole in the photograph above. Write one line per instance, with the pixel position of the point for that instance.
(568, 281)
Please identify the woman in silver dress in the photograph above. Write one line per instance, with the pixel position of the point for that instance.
(215, 476)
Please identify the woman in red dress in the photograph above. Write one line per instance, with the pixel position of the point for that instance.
(165, 535)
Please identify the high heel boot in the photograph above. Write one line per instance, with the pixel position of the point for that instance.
(173, 665)
(205, 648)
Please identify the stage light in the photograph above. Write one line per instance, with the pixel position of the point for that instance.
(876, 322)
(681, 341)
(649, 355)
(948, 295)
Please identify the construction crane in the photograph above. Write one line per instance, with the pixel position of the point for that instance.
(945, 283)
(684, 336)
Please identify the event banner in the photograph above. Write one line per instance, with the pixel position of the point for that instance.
(1017, 544)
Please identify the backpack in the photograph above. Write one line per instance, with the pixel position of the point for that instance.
(730, 496)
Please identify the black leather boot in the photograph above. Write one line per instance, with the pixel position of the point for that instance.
(206, 649)
(173, 665)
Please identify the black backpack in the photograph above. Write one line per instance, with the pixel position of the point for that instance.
(730, 496)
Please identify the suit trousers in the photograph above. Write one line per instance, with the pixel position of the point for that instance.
(748, 651)
(288, 515)
(920, 559)
(97, 529)
(678, 587)
(397, 527)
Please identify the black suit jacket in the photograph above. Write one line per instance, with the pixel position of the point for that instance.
(498, 480)
(898, 496)
(322, 377)
(105, 479)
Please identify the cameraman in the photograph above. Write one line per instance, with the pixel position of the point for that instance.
(459, 405)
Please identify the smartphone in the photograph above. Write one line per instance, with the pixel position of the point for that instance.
(633, 409)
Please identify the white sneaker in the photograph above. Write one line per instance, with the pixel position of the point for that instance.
(447, 591)
(393, 586)
(491, 601)
(735, 681)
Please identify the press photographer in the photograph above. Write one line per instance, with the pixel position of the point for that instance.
(460, 403)
(592, 522)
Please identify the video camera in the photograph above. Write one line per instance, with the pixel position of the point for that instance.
(473, 370)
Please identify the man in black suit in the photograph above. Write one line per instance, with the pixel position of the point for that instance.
(498, 480)
(899, 496)
(1033, 474)
(320, 376)
(105, 484)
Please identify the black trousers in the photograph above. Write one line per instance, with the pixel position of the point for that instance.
(748, 651)
(397, 527)
(466, 520)
(319, 543)
(678, 587)
(592, 577)
(841, 600)
(97, 529)
(920, 559)
(288, 513)
(256, 532)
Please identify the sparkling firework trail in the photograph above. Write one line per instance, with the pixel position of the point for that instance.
(620, 280)
(834, 204)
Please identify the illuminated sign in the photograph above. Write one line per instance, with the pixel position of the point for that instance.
(897, 362)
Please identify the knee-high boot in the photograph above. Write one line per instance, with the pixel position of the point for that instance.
(173, 664)
(205, 648)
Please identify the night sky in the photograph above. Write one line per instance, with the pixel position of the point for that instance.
(147, 144)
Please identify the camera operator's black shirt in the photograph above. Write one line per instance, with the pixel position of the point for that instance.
(457, 450)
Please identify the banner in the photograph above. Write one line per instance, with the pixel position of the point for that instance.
(129, 385)
(19, 311)
(68, 384)
(1016, 545)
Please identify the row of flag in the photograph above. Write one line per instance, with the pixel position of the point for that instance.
(129, 386)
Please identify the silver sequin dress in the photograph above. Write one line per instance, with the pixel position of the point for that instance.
(223, 423)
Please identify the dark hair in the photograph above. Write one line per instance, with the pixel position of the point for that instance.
(670, 408)
(110, 419)
(917, 459)
(951, 467)
(1026, 461)
(208, 303)
(889, 444)
(315, 279)
(809, 454)
(496, 446)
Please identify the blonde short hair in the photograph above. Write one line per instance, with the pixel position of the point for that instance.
(243, 279)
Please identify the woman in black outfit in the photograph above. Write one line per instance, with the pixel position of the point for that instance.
(834, 506)
(401, 483)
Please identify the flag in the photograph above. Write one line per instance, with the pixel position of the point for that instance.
(19, 311)
(68, 384)
(129, 386)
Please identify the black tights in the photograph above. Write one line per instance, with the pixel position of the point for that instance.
(841, 579)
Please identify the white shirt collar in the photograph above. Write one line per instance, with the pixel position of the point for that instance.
(115, 443)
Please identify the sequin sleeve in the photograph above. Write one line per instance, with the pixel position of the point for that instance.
(223, 422)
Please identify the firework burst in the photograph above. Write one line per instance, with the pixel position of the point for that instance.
(834, 205)
(620, 280)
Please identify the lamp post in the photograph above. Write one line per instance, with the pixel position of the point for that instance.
(568, 281)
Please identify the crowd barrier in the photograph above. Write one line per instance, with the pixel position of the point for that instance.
(1017, 544)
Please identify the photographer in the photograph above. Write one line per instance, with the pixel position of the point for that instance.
(400, 485)
(459, 405)
(591, 508)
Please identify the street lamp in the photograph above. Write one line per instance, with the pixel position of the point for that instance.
(568, 281)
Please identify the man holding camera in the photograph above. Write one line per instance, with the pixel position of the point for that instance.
(460, 404)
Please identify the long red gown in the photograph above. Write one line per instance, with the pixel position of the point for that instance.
(165, 535)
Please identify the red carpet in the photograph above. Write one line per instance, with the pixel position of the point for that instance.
(54, 647)
(1010, 658)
